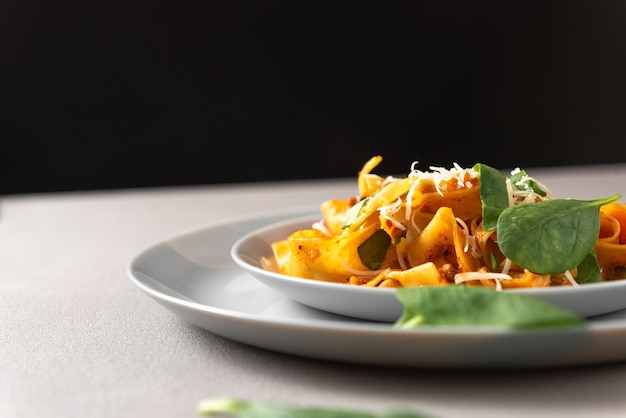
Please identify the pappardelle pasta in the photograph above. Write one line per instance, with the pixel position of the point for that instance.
(464, 226)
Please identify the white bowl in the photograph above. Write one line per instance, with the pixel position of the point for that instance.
(381, 304)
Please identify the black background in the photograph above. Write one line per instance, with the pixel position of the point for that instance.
(117, 94)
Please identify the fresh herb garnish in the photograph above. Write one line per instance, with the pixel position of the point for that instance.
(460, 305)
(493, 259)
(522, 181)
(232, 407)
(493, 195)
(354, 212)
(374, 249)
(551, 236)
(546, 237)
(589, 269)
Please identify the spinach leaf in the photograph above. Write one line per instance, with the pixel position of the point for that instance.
(478, 306)
(374, 249)
(589, 269)
(493, 194)
(354, 212)
(233, 407)
(522, 181)
(551, 236)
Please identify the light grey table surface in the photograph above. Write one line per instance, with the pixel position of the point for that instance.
(79, 339)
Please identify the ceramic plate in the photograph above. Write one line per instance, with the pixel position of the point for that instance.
(193, 276)
(380, 304)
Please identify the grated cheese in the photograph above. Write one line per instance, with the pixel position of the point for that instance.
(469, 240)
(409, 200)
(322, 227)
(475, 275)
(520, 197)
(400, 258)
(358, 272)
(387, 211)
(570, 278)
(437, 176)
(507, 266)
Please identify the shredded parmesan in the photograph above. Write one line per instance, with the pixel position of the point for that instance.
(468, 276)
(358, 272)
(438, 175)
(415, 227)
(469, 240)
(391, 209)
(518, 196)
(323, 228)
(570, 278)
(409, 200)
(401, 261)
(507, 266)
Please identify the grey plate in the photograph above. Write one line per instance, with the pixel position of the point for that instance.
(193, 276)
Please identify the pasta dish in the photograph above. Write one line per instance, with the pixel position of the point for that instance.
(458, 226)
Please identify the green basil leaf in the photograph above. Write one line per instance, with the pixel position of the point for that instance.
(374, 249)
(493, 195)
(460, 305)
(551, 236)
